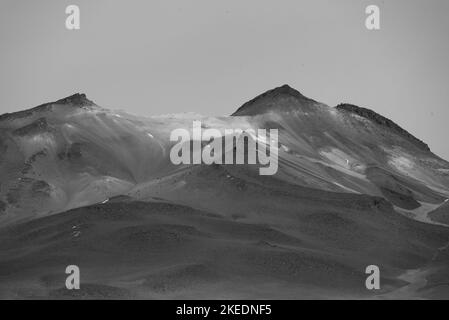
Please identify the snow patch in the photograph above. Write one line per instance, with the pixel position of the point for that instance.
(285, 148)
(401, 163)
(346, 188)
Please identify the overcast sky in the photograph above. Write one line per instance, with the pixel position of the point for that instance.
(210, 56)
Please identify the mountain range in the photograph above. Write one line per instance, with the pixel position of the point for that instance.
(81, 184)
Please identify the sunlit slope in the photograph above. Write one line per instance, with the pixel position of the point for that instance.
(349, 149)
(72, 153)
(344, 149)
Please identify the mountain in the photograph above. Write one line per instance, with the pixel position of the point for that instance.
(86, 185)
(280, 99)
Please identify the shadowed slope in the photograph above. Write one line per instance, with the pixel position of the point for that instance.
(129, 249)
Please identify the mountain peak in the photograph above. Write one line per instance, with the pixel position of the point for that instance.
(279, 99)
(77, 99)
(286, 89)
(382, 121)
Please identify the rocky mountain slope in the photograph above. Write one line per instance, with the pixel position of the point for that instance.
(85, 185)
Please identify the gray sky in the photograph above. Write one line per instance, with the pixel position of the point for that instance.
(209, 56)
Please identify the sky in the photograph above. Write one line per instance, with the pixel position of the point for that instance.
(209, 56)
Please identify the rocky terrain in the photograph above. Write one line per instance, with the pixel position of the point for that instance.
(85, 185)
